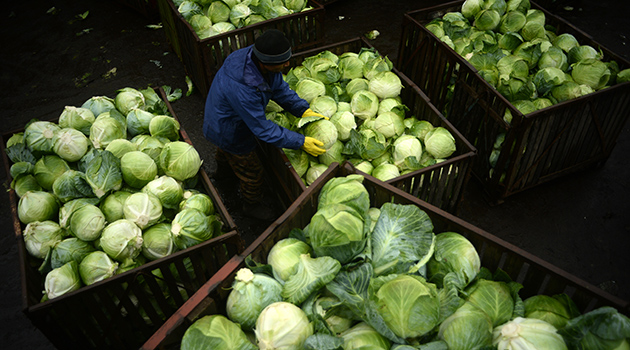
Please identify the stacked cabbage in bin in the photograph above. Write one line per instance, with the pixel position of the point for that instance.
(517, 52)
(106, 188)
(364, 277)
(209, 18)
(368, 122)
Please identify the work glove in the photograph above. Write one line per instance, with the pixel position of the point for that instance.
(310, 113)
(312, 146)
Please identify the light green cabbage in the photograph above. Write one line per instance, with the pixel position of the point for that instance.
(250, 294)
(122, 240)
(97, 266)
(527, 334)
(179, 160)
(282, 325)
(215, 332)
(143, 209)
(41, 236)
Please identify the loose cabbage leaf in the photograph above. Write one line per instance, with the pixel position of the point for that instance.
(402, 240)
(311, 275)
(103, 173)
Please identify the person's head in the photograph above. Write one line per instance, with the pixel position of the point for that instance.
(273, 50)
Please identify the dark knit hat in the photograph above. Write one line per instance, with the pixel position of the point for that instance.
(272, 47)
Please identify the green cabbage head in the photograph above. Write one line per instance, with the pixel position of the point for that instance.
(250, 294)
(215, 332)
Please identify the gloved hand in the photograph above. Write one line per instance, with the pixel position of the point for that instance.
(310, 113)
(312, 146)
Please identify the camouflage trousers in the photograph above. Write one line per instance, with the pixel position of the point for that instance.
(249, 170)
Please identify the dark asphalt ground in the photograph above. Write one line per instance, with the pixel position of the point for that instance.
(580, 223)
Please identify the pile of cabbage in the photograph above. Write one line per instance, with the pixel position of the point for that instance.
(362, 277)
(524, 58)
(107, 188)
(368, 123)
(213, 17)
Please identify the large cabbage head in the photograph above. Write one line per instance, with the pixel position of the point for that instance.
(112, 205)
(122, 240)
(495, 298)
(104, 130)
(218, 11)
(138, 121)
(386, 171)
(87, 222)
(69, 249)
(250, 294)
(325, 105)
(191, 227)
(180, 160)
(322, 68)
(99, 104)
(284, 256)
(168, 190)
(408, 304)
(348, 190)
(128, 98)
(308, 88)
(38, 136)
(97, 266)
(351, 66)
(467, 328)
(71, 185)
(405, 147)
(138, 169)
(363, 336)
(364, 104)
(48, 168)
(322, 130)
(338, 231)
(389, 124)
(41, 236)
(299, 160)
(157, 241)
(215, 332)
(333, 154)
(357, 84)
(78, 118)
(143, 209)
(282, 325)
(344, 122)
(385, 85)
(440, 143)
(527, 334)
(591, 72)
(37, 206)
(163, 126)
(455, 255)
(62, 280)
(556, 310)
(199, 201)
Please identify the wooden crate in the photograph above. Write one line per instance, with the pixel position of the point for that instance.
(536, 275)
(121, 312)
(202, 58)
(544, 145)
(441, 184)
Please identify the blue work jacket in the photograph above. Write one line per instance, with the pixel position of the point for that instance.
(235, 107)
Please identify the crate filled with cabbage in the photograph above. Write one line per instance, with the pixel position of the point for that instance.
(358, 264)
(376, 119)
(204, 32)
(538, 97)
(110, 186)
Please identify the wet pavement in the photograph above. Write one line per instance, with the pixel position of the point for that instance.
(580, 223)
